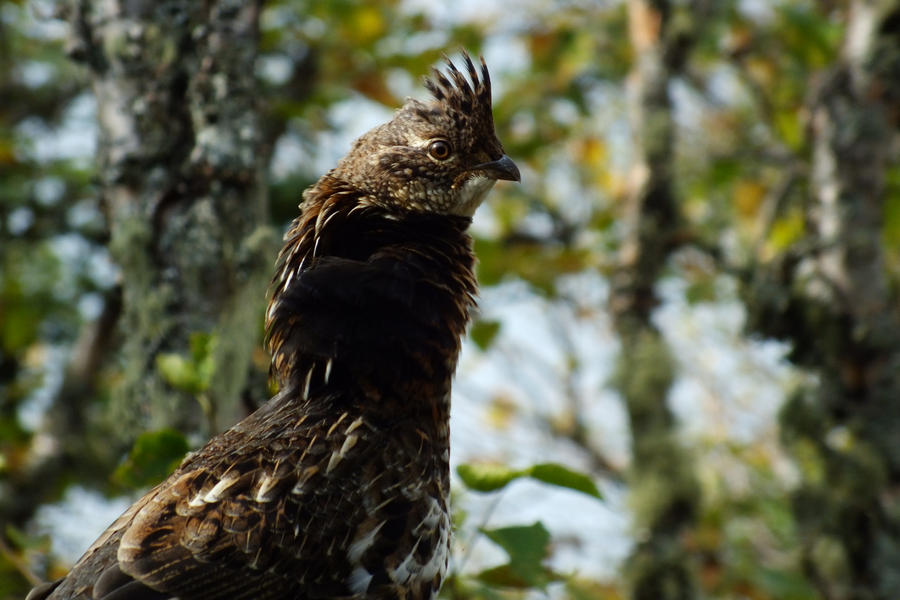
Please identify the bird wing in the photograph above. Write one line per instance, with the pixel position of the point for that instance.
(242, 518)
(253, 518)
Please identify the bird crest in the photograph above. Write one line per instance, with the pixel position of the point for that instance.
(467, 98)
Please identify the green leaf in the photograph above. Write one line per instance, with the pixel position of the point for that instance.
(483, 333)
(784, 584)
(701, 290)
(202, 345)
(556, 474)
(527, 546)
(504, 576)
(25, 541)
(192, 375)
(179, 372)
(154, 455)
(540, 265)
(786, 231)
(486, 477)
(808, 34)
(891, 215)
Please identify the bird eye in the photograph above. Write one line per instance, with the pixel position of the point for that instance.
(439, 149)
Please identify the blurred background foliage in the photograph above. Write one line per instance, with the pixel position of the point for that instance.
(537, 375)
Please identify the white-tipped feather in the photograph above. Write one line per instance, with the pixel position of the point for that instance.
(359, 580)
(354, 426)
(363, 543)
(215, 494)
(348, 444)
(265, 486)
(307, 382)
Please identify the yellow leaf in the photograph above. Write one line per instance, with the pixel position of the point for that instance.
(371, 84)
(763, 71)
(593, 152)
(366, 24)
(785, 232)
(790, 127)
(501, 411)
(747, 197)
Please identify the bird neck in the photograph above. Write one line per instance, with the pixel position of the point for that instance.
(368, 308)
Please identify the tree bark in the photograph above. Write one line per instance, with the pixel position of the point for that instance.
(183, 186)
(839, 312)
(665, 493)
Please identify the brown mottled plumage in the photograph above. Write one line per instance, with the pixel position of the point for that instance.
(337, 487)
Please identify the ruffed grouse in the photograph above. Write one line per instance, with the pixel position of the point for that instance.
(337, 487)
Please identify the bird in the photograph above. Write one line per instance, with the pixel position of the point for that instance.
(337, 486)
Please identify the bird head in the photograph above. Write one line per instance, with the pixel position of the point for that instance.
(440, 156)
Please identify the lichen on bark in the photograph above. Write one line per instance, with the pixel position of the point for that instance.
(664, 492)
(840, 314)
(182, 183)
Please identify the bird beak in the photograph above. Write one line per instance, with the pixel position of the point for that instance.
(502, 168)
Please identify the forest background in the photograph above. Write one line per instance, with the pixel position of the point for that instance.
(684, 378)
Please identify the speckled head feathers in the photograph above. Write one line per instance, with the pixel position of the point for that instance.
(437, 156)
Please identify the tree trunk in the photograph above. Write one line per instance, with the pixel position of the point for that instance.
(665, 494)
(841, 316)
(183, 186)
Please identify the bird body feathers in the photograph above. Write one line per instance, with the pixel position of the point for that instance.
(338, 486)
